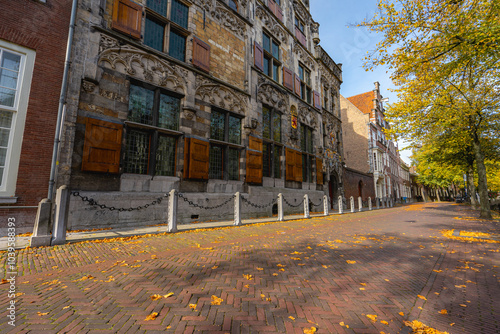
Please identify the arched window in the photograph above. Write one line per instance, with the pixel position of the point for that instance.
(233, 5)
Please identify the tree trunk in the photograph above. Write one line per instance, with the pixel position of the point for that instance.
(472, 187)
(437, 195)
(481, 179)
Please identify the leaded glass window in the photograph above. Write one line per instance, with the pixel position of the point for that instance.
(307, 147)
(271, 134)
(272, 62)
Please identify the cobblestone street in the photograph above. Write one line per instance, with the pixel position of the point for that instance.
(366, 272)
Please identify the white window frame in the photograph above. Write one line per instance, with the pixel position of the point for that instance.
(9, 178)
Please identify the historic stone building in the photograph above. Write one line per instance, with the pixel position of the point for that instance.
(33, 38)
(383, 153)
(207, 97)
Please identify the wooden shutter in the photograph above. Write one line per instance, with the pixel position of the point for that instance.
(201, 54)
(300, 36)
(259, 56)
(317, 100)
(290, 164)
(255, 143)
(102, 146)
(254, 167)
(298, 166)
(279, 13)
(297, 84)
(272, 6)
(127, 18)
(197, 158)
(319, 171)
(287, 78)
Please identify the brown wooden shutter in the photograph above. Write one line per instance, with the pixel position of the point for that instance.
(290, 164)
(297, 84)
(259, 56)
(272, 6)
(127, 17)
(279, 13)
(317, 100)
(255, 143)
(201, 54)
(287, 78)
(319, 171)
(254, 167)
(301, 37)
(198, 157)
(102, 146)
(298, 166)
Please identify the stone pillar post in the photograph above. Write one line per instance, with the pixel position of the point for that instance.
(61, 218)
(41, 234)
(341, 205)
(352, 203)
(281, 216)
(370, 204)
(172, 211)
(237, 209)
(360, 204)
(325, 205)
(306, 206)
(377, 201)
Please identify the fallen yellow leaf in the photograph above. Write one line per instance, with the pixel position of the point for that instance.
(156, 297)
(384, 322)
(193, 307)
(401, 314)
(443, 311)
(372, 317)
(152, 316)
(216, 300)
(290, 317)
(40, 313)
(311, 330)
(350, 262)
(422, 297)
(170, 294)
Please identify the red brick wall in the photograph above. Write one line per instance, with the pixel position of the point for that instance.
(351, 182)
(43, 28)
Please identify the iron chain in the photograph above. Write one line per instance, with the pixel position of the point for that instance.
(320, 202)
(93, 202)
(258, 206)
(205, 207)
(292, 205)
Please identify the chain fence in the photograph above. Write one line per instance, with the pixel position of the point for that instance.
(193, 204)
(320, 202)
(292, 205)
(258, 206)
(93, 202)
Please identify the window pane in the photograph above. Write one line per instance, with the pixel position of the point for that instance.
(233, 5)
(165, 156)
(308, 95)
(216, 160)
(276, 51)
(266, 41)
(140, 105)
(276, 72)
(277, 162)
(7, 97)
(234, 130)
(4, 137)
(277, 127)
(179, 13)
(159, 6)
(266, 66)
(310, 167)
(266, 123)
(266, 160)
(8, 78)
(137, 152)
(217, 125)
(5, 119)
(303, 138)
(177, 47)
(11, 61)
(309, 140)
(153, 34)
(301, 73)
(234, 164)
(169, 112)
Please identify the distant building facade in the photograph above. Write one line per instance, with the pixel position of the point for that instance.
(33, 39)
(207, 97)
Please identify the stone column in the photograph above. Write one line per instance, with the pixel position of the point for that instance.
(352, 203)
(237, 209)
(360, 204)
(325, 205)
(172, 211)
(370, 204)
(281, 216)
(306, 206)
(41, 234)
(61, 218)
(377, 202)
(341, 205)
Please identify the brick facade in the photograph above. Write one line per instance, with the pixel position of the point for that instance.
(359, 184)
(42, 28)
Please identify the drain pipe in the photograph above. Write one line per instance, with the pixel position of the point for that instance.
(62, 102)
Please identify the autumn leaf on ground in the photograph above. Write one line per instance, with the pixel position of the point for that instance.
(422, 297)
(40, 313)
(311, 330)
(216, 300)
(4, 281)
(260, 268)
(215, 267)
(438, 271)
(275, 274)
(325, 266)
(193, 307)
(152, 316)
(372, 317)
(443, 311)
(384, 322)
(419, 327)
(248, 277)
(170, 294)
(401, 314)
(350, 262)
(362, 289)
(463, 305)
(290, 317)
(156, 297)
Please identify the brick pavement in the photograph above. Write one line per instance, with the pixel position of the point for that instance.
(327, 273)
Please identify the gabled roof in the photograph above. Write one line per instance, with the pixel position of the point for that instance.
(363, 102)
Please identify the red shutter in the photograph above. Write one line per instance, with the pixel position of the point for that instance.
(319, 171)
(279, 13)
(197, 158)
(201, 54)
(317, 100)
(300, 36)
(254, 167)
(297, 84)
(127, 18)
(287, 78)
(298, 166)
(259, 56)
(272, 6)
(102, 146)
(290, 164)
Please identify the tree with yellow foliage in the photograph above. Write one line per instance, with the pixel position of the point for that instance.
(445, 61)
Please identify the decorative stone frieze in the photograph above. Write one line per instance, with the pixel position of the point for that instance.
(268, 93)
(220, 96)
(271, 24)
(230, 21)
(308, 116)
(145, 66)
(301, 11)
(107, 42)
(88, 85)
(303, 55)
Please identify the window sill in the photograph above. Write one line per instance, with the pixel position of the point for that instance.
(218, 142)
(8, 200)
(150, 127)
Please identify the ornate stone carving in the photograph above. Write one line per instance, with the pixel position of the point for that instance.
(314, 27)
(189, 113)
(271, 24)
(269, 94)
(329, 63)
(220, 96)
(229, 20)
(146, 66)
(107, 42)
(301, 11)
(303, 55)
(308, 116)
(88, 85)
(206, 4)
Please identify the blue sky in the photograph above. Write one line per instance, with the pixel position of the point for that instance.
(349, 45)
